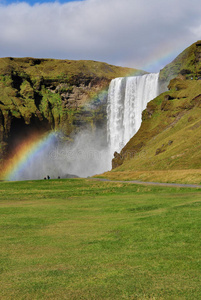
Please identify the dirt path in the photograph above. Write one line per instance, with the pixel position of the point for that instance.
(151, 183)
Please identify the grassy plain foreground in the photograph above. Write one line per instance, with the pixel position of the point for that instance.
(84, 239)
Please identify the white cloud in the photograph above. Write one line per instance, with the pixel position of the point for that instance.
(122, 32)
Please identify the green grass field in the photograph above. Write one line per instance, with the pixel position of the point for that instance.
(85, 239)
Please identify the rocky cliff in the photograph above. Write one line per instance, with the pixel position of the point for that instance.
(46, 94)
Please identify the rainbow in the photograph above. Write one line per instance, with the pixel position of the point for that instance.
(163, 54)
(31, 148)
(25, 153)
(158, 60)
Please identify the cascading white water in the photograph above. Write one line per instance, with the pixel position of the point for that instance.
(127, 98)
(86, 156)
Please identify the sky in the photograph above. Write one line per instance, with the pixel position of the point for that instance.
(141, 34)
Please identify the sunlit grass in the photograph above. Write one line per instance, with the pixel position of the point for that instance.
(191, 176)
(84, 239)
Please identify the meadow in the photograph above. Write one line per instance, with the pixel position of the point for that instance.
(86, 239)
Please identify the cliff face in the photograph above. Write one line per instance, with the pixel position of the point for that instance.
(37, 95)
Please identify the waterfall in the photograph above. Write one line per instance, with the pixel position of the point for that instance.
(87, 155)
(127, 98)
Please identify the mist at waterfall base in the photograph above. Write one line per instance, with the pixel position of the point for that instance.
(85, 156)
(91, 152)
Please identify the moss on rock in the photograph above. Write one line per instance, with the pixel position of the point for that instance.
(53, 93)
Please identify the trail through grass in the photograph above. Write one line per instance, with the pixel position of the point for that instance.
(82, 239)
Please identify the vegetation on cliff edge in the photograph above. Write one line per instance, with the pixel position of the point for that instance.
(170, 133)
(45, 94)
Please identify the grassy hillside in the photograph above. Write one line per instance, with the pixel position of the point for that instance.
(187, 63)
(81, 239)
(46, 89)
(62, 69)
(169, 138)
(168, 145)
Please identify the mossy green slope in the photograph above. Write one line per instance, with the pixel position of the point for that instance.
(187, 63)
(42, 87)
(170, 133)
(61, 69)
(169, 137)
